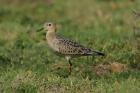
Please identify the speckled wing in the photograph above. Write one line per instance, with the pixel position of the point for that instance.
(68, 47)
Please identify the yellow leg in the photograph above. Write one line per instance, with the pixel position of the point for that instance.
(70, 67)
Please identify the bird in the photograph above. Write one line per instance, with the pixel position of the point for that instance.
(65, 47)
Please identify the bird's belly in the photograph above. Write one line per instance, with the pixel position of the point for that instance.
(56, 52)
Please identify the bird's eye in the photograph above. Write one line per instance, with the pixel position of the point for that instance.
(49, 24)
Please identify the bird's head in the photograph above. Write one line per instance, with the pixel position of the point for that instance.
(49, 27)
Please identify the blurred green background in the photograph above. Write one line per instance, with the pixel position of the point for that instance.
(27, 66)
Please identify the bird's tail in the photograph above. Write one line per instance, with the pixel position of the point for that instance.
(96, 53)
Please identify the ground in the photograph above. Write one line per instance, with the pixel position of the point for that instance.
(27, 65)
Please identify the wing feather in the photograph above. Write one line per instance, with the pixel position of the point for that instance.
(70, 47)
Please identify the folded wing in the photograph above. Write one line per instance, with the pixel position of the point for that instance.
(69, 47)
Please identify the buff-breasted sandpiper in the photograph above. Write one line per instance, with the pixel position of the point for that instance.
(65, 47)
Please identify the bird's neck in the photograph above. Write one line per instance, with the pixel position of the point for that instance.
(50, 35)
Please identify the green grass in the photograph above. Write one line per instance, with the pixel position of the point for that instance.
(27, 66)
